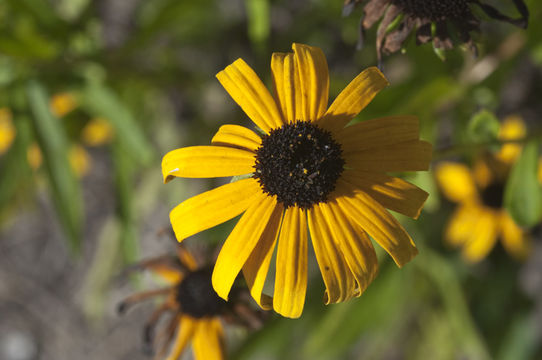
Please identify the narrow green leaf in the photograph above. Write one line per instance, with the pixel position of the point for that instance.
(54, 145)
(258, 20)
(483, 127)
(103, 102)
(523, 194)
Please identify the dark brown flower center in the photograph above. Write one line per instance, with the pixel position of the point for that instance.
(493, 195)
(197, 296)
(299, 163)
(434, 9)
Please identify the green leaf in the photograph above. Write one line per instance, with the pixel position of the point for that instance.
(483, 127)
(54, 146)
(101, 101)
(258, 20)
(523, 194)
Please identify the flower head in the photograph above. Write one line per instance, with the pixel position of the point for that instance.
(441, 22)
(194, 308)
(480, 219)
(309, 173)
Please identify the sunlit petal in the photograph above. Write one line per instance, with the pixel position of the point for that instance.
(208, 340)
(456, 182)
(237, 136)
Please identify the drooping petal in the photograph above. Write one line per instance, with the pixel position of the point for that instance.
(353, 99)
(206, 162)
(340, 283)
(257, 265)
(168, 273)
(355, 246)
(512, 237)
(208, 342)
(482, 237)
(463, 220)
(241, 242)
(456, 182)
(313, 81)
(393, 193)
(407, 156)
(185, 332)
(213, 207)
(248, 91)
(291, 274)
(378, 133)
(237, 136)
(376, 221)
(286, 85)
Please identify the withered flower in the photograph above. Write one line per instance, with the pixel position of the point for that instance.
(195, 311)
(445, 23)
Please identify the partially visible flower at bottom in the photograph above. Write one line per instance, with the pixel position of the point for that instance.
(196, 311)
(445, 23)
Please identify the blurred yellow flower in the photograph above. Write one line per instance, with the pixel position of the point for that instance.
(80, 160)
(309, 174)
(512, 128)
(33, 156)
(97, 132)
(62, 103)
(7, 130)
(480, 217)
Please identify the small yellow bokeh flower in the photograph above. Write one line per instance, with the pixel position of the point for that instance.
(97, 132)
(63, 103)
(7, 130)
(309, 174)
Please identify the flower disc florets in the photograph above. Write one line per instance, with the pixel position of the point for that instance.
(197, 297)
(433, 9)
(299, 163)
(492, 195)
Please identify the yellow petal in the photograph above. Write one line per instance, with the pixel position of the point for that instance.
(313, 80)
(185, 332)
(186, 258)
(257, 265)
(339, 281)
(242, 241)
(213, 207)
(512, 128)
(459, 228)
(353, 99)
(391, 192)
(354, 244)
(206, 162)
(237, 136)
(456, 182)
(248, 91)
(482, 237)
(286, 85)
(514, 241)
(208, 342)
(167, 273)
(483, 174)
(407, 156)
(7, 130)
(291, 274)
(377, 222)
(378, 133)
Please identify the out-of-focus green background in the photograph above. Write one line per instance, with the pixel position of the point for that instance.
(70, 220)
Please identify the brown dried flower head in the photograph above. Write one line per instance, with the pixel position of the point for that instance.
(445, 23)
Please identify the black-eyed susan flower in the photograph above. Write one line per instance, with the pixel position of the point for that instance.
(309, 176)
(444, 23)
(193, 307)
(480, 218)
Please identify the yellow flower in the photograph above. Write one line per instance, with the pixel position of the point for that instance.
(97, 132)
(7, 130)
(193, 306)
(512, 128)
(63, 103)
(80, 160)
(480, 217)
(308, 173)
(34, 156)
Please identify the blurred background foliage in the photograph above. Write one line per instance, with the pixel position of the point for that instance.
(93, 93)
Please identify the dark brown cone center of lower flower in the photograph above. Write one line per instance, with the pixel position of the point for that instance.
(493, 195)
(197, 297)
(299, 163)
(434, 9)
